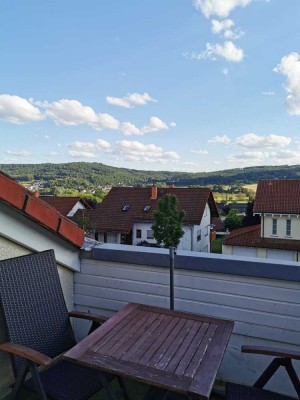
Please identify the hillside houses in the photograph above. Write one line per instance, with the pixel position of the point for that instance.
(126, 215)
(278, 235)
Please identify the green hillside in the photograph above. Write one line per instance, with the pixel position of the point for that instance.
(81, 175)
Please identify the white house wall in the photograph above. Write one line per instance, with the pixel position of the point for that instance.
(78, 206)
(266, 226)
(273, 254)
(189, 239)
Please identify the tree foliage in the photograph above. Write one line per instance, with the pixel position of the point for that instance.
(250, 219)
(233, 220)
(168, 223)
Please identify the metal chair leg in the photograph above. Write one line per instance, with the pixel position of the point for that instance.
(37, 381)
(20, 380)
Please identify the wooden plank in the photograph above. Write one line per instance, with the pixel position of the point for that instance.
(127, 369)
(150, 346)
(178, 343)
(173, 364)
(94, 337)
(206, 374)
(206, 342)
(129, 333)
(134, 349)
(185, 361)
(112, 336)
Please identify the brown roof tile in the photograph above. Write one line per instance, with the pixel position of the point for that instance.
(110, 217)
(63, 204)
(278, 196)
(27, 203)
(250, 237)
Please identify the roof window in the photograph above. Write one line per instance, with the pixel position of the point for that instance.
(126, 207)
(147, 208)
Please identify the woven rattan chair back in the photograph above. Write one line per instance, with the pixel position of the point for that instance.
(33, 305)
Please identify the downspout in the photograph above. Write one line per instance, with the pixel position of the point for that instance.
(263, 225)
(192, 237)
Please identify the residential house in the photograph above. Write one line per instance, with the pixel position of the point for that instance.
(278, 236)
(67, 206)
(126, 216)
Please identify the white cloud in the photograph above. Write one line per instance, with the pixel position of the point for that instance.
(72, 113)
(131, 100)
(16, 110)
(82, 149)
(225, 71)
(137, 151)
(104, 145)
(22, 153)
(252, 140)
(227, 50)
(290, 68)
(248, 157)
(200, 152)
(221, 8)
(220, 139)
(219, 26)
(129, 129)
(172, 124)
(52, 153)
(155, 124)
(233, 34)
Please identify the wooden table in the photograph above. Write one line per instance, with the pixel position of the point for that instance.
(174, 350)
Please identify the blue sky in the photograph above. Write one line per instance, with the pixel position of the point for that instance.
(179, 85)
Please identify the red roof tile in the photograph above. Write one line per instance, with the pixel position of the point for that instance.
(64, 204)
(250, 237)
(17, 196)
(278, 196)
(109, 216)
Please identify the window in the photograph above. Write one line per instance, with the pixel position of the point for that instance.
(138, 233)
(199, 235)
(150, 234)
(147, 208)
(274, 226)
(288, 227)
(126, 207)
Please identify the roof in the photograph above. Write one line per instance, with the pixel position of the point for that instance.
(110, 217)
(278, 196)
(250, 237)
(64, 204)
(25, 202)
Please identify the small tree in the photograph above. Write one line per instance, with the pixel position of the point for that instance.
(168, 223)
(233, 220)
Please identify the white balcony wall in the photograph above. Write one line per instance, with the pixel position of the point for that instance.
(265, 311)
(266, 226)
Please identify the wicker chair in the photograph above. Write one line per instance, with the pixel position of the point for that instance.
(256, 392)
(39, 331)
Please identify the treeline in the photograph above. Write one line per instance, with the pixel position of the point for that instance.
(82, 175)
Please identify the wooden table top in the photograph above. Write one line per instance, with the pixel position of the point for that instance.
(173, 350)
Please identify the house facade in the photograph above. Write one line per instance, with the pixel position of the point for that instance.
(278, 235)
(126, 216)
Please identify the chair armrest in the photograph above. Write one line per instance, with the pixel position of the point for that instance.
(272, 351)
(86, 315)
(26, 352)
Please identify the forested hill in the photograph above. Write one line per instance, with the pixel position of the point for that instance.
(85, 175)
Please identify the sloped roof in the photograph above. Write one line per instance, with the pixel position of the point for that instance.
(250, 237)
(278, 196)
(110, 217)
(64, 204)
(36, 209)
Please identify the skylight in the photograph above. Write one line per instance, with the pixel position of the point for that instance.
(126, 207)
(147, 208)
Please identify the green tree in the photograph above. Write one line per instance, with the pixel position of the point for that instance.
(168, 223)
(233, 220)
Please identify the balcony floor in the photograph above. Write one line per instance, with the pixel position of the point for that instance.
(136, 390)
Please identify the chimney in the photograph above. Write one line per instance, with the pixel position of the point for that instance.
(154, 192)
(171, 185)
(35, 194)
